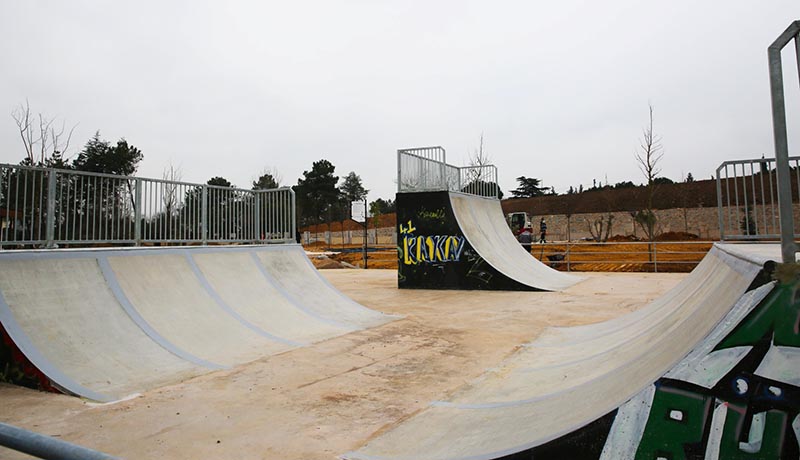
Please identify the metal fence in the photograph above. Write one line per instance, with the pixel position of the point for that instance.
(425, 169)
(747, 198)
(623, 256)
(47, 207)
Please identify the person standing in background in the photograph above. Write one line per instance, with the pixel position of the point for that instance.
(543, 231)
(525, 238)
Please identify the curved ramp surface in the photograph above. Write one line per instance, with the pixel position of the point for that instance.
(294, 273)
(484, 226)
(61, 313)
(104, 324)
(577, 375)
(238, 280)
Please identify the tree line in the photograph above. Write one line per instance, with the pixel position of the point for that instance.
(320, 195)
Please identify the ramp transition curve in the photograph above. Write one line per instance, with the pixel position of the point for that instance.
(104, 324)
(710, 370)
(451, 240)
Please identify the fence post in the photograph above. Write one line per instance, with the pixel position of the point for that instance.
(568, 253)
(51, 208)
(204, 215)
(719, 206)
(788, 246)
(655, 257)
(137, 212)
(293, 224)
(257, 215)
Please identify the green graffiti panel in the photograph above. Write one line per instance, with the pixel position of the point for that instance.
(766, 442)
(676, 424)
(779, 313)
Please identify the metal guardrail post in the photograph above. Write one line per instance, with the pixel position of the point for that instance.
(568, 257)
(788, 246)
(496, 182)
(137, 212)
(204, 215)
(719, 207)
(294, 215)
(50, 230)
(257, 215)
(655, 257)
(399, 186)
(42, 446)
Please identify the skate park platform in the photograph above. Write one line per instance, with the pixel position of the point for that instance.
(453, 354)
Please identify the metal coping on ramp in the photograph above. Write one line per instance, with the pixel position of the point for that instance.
(525, 403)
(77, 315)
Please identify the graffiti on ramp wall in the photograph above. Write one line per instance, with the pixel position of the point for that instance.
(432, 251)
(736, 396)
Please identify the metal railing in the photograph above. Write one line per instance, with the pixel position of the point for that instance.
(426, 169)
(747, 193)
(47, 207)
(41, 446)
(788, 245)
(657, 256)
(479, 180)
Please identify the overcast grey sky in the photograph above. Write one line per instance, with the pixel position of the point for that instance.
(560, 90)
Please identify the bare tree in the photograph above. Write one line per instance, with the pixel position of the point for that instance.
(268, 179)
(649, 155)
(477, 178)
(45, 143)
(600, 228)
(170, 198)
(479, 156)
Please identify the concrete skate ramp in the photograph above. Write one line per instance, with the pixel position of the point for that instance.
(163, 288)
(484, 226)
(104, 324)
(240, 281)
(572, 376)
(294, 273)
(61, 313)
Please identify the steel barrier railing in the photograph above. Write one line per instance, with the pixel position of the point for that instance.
(747, 198)
(426, 169)
(47, 207)
(657, 256)
(41, 446)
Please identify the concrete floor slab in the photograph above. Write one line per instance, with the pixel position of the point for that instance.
(320, 401)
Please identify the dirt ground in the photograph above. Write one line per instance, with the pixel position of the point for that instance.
(670, 257)
(320, 401)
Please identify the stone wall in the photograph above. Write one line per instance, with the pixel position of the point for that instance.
(703, 222)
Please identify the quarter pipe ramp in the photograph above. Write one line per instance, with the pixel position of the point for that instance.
(451, 240)
(104, 324)
(711, 369)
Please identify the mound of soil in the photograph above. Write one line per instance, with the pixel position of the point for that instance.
(622, 238)
(677, 236)
(325, 262)
(383, 221)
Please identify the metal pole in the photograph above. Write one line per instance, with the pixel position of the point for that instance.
(294, 214)
(42, 446)
(399, 188)
(137, 212)
(204, 215)
(719, 207)
(366, 222)
(257, 215)
(51, 208)
(788, 246)
(655, 257)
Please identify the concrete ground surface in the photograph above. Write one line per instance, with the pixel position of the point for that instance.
(326, 399)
